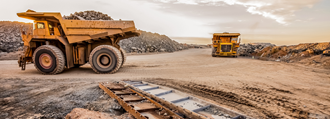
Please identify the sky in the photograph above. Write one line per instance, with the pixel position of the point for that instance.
(281, 22)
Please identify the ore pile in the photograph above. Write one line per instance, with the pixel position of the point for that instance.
(301, 50)
(10, 35)
(252, 48)
(151, 42)
(88, 15)
(305, 53)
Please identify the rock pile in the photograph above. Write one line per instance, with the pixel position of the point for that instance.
(251, 48)
(81, 113)
(151, 42)
(306, 53)
(88, 15)
(10, 35)
(301, 50)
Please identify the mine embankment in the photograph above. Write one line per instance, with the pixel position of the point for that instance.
(305, 53)
(255, 88)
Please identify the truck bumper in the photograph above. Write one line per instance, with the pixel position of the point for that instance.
(228, 54)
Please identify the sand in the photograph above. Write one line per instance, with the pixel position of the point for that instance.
(256, 88)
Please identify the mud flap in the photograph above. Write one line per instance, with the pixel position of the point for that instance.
(22, 63)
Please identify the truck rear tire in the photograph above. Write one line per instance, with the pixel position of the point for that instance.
(49, 59)
(123, 54)
(105, 59)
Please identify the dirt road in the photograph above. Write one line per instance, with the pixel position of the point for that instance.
(256, 88)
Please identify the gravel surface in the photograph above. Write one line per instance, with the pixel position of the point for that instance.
(253, 87)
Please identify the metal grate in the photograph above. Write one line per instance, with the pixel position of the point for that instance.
(225, 48)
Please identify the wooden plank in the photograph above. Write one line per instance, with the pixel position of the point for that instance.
(144, 106)
(123, 92)
(128, 108)
(128, 98)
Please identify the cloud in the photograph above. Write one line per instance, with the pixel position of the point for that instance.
(281, 11)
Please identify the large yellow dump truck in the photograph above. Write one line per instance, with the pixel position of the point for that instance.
(225, 44)
(57, 43)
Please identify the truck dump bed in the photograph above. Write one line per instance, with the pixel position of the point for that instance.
(82, 30)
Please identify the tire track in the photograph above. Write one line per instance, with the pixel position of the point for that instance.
(267, 102)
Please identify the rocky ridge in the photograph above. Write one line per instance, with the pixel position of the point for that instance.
(304, 53)
(10, 35)
(151, 42)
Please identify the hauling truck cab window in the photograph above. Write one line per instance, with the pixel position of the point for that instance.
(40, 25)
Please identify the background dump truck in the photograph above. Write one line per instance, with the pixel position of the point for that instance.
(225, 44)
(57, 43)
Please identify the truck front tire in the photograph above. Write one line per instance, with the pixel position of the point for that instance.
(213, 52)
(105, 59)
(123, 54)
(49, 59)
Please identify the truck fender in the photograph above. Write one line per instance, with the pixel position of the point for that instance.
(68, 51)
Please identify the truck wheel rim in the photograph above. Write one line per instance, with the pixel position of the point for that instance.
(104, 60)
(45, 61)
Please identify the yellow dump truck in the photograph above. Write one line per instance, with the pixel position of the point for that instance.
(56, 43)
(225, 44)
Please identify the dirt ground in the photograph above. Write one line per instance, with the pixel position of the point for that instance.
(256, 88)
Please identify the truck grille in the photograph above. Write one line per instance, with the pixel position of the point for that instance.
(225, 48)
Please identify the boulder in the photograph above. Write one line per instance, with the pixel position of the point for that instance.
(80, 113)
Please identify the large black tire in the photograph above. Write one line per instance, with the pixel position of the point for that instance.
(105, 59)
(123, 54)
(49, 59)
(213, 52)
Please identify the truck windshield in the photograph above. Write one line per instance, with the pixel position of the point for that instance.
(51, 29)
(41, 25)
(234, 39)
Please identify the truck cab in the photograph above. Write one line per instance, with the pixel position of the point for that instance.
(45, 28)
(225, 44)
